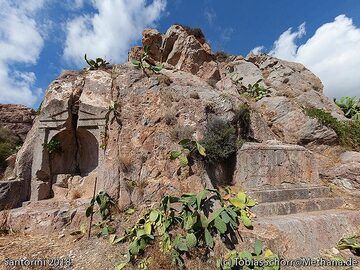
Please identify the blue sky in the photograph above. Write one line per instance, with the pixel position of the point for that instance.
(40, 38)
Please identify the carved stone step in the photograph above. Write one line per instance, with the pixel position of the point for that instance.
(313, 232)
(277, 195)
(297, 206)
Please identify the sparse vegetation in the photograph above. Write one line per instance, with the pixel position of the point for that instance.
(348, 132)
(256, 91)
(188, 222)
(8, 146)
(38, 111)
(53, 146)
(105, 205)
(189, 148)
(220, 140)
(259, 259)
(144, 64)
(243, 118)
(196, 32)
(352, 243)
(350, 106)
(115, 110)
(96, 64)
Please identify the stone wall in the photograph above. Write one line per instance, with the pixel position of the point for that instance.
(275, 165)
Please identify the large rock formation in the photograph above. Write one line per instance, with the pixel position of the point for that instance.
(17, 118)
(15, 123)
(116, 126)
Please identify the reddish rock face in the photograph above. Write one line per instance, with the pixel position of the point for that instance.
(17, 118)
(116, 127)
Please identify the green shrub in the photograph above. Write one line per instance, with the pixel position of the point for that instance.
(6, 136)
(54, 146)
(348, 132)
(105, 205)
(8, 144)
(6, 150)
(243, 118)
(220, 140)
(350, 106)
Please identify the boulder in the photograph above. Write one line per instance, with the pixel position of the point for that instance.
(289, 122)
(11, 194)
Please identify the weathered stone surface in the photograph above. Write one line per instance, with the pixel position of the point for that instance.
(287, 194)
(346, 175)
(272, 164)
(350, 156)
(259, 130)
(9, 171)
(181, 49)
(304, 234)
(297, 206)
(11, 194)
(17, 118)
(44, 217)
(153, 40)
(338, 166)
(289, 122)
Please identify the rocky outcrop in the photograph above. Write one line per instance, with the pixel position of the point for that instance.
(181, 48)
(115, 127)
(17, 118)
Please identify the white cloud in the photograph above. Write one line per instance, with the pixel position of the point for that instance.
(110, 32)
(285, 47)
(257, 50)
(20, 43)
(332, 53)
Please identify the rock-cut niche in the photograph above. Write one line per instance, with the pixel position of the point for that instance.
(79, 153)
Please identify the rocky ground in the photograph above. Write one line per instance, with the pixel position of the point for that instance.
(83, 253)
